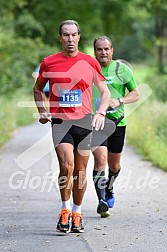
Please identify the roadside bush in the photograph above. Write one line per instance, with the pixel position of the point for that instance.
(14, 116)
(19, 58)
(147, 131)
(158, 82)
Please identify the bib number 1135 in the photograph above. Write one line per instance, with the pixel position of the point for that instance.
(70, 98)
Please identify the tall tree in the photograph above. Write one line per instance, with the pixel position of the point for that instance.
(158, 8)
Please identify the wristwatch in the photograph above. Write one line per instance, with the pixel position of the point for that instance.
(121, 101)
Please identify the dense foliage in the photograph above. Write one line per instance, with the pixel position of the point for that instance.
(28, 31)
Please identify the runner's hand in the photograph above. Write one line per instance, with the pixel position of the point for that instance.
(98, 121)
(45, 117)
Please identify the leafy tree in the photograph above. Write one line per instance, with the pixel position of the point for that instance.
(27, 26)
(29, 29)
(158, 10)
(19, 53)
(157, 28)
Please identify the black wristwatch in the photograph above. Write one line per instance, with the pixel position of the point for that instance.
(121, 101)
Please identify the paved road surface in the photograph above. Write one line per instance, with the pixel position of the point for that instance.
(30, 202)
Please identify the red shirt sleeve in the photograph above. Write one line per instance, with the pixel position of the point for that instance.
(41, 71)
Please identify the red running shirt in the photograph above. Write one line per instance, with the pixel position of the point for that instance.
(70, 83)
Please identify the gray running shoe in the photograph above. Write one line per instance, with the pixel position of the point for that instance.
(102, 209)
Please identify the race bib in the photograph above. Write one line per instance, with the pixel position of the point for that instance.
(111, 110)
(70, 98)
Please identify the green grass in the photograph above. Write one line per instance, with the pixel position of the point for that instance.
(147, 131)
(147, 125)
(140, 72)
(12, 116)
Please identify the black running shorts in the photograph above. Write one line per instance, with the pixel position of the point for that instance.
(112, 137)
(76, 132)
(115, 142)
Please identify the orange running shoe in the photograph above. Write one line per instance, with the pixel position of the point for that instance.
(77, 223)
(64, 221)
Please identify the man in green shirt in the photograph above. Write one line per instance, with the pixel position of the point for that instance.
(107, 145)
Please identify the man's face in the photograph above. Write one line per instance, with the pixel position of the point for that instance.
(69, 38)
(103, 52)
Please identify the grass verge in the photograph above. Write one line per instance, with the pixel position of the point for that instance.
(12, 116)
(147, 131)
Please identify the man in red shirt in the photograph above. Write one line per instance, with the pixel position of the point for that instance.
(71, 75)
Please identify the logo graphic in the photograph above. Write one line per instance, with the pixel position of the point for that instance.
(32, 155)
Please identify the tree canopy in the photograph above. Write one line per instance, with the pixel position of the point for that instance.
(29, 29)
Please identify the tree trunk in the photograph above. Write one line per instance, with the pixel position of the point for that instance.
(161, 34)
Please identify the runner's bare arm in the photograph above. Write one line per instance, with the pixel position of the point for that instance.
(40, 102)
(99, 118)
(131, 97)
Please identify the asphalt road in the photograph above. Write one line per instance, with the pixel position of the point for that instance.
(30, 202)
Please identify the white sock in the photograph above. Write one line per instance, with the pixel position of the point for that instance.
(66, 204)
(76, 208)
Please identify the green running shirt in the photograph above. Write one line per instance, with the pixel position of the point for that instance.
(119, 79)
